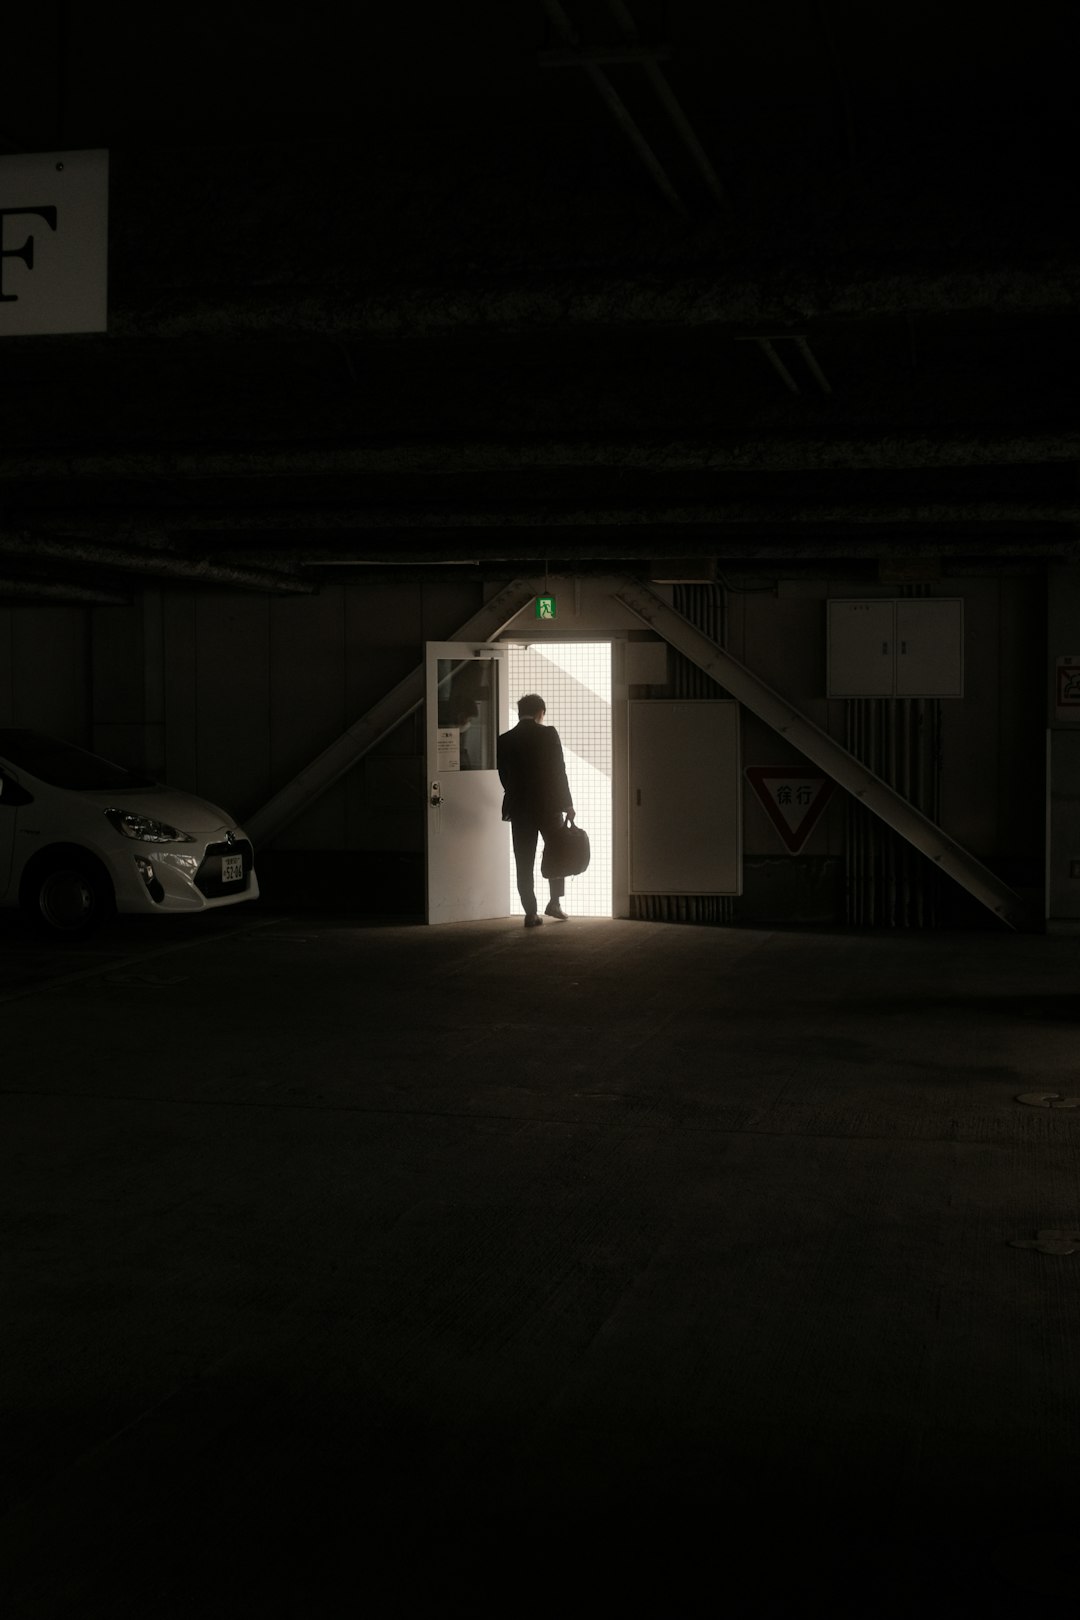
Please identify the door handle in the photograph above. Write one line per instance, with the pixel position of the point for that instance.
(436, 796)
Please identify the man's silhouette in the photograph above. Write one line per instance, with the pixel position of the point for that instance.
(537, 796)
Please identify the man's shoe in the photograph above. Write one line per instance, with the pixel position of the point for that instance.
(554, 909)
(533, 921)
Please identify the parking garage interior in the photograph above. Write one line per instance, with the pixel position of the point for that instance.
(713, 374)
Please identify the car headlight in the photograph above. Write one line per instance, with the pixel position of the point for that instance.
(145, 829)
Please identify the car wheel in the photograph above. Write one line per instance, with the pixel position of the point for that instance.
(68, 898)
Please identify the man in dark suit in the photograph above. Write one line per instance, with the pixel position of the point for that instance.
(537, 796)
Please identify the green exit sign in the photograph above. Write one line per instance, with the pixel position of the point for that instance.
(545, 607)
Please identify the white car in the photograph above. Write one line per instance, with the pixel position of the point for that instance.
(81, 837)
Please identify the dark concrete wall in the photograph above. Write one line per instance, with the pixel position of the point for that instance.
(43, 670)
(257, 687)
(229, 695)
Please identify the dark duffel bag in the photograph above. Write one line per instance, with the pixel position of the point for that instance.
(566, 852)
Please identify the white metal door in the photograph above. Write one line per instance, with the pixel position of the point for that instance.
(466, 707)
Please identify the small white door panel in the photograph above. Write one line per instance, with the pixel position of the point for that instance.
(466, 708)
(930, 647)
(861, 649)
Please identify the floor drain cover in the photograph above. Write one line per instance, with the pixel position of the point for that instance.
(1048, 1099)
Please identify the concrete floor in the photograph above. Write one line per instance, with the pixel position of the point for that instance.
(607, 1268)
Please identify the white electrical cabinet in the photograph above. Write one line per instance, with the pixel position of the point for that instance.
(910, 647)
(685, 798)
(862, 659)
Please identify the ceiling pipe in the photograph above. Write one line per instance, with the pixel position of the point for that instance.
(154, 564)
(764, 296)
(886, 448)
(353, 520)
(652, 546)
(53, 593)
(223, 526)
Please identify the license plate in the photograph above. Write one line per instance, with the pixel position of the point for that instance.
(232, 868)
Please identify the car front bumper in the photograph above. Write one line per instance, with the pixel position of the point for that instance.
(171, 878)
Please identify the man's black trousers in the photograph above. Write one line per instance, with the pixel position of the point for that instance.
(524, 830)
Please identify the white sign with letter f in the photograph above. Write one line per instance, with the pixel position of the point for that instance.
(54, 243)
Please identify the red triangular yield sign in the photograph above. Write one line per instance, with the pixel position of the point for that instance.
(792, 799)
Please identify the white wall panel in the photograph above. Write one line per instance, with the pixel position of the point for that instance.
(685, 797)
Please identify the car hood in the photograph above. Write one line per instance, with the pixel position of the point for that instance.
(180, 810)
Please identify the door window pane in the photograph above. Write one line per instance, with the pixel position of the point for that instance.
(468, 713)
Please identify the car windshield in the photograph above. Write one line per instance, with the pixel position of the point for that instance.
(62, 765)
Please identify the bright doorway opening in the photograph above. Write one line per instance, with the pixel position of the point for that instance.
(574, 680)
